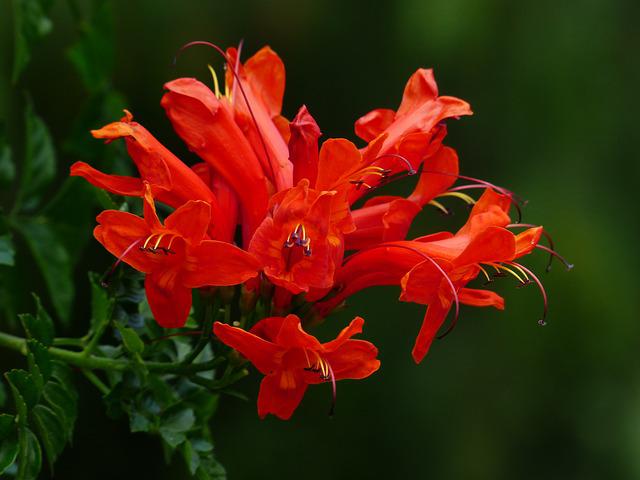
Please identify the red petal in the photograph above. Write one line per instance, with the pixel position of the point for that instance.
(433, 320)
(191, 221)
(526, 241)
(354, 359)
(168, 299)
(117, 184)
(374, 123)
(347, 332)
(218, 263)
(480, 298)
(258, 351)
(338, 159)
(266, 76)
(420, 88)
(494, 244)
(432, 184)
(277, 400)
(303, 146)
(117, 231)
(291, 335)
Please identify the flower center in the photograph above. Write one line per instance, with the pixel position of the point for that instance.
(298, 237)
(156, 246)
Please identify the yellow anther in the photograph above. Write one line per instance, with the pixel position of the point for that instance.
(439, 206)
(155, 247)
(146, 242)
(519, 269)
(216, 85)
(462, 196)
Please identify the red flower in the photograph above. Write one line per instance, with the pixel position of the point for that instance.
(291, 359)
(171, 181)
(435, 269)
(176, 256)
(295, 244)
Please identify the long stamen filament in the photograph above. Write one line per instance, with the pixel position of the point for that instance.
(462, 196)
(439, 206)
(543, 292)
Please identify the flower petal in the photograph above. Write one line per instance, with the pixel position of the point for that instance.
(526, 241)
(354, 359)
(218, 263)
(480, 298)
(354, 327)
(280, 394)
(191, 221)
(169, 300)
(303, 146)
(374, 123)
(494, 244)
(433, 320)
(258, 351)
(120, 185)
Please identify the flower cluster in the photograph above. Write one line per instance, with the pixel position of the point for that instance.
(298, 223)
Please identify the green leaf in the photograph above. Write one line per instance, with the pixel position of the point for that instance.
(131, 340)
(101, 303)
(40, 326)
(51, 432)
(173, 429)
(93, 55)
(8, 451)
(53, 260)
(139, 423)
(7, 423)
(7, 167)
(39, 362)
(39, 166)
(30, 24)
(191, 457)
(7, 251)
(210, 469)
(63, 401)
(25, 391)
(30, 455)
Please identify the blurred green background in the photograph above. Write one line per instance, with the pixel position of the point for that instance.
(554, 88)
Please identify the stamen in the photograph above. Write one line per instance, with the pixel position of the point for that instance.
(144, 247)
(462, 196)
(105, 280)
(542, 321)
(410, 169)
(553, 253)
(216, 85)
(439, 206)
(440, 269)
(489, 280)
(238, 82)
(155, 247)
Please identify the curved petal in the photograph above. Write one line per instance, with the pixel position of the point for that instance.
(169, 300)
(420, 88)
(494, 244)
(339, 158)
(439, 173)
(280, 394)
(375, 122)
(191, 221)
(526, 241)
(491, 209)
(354, 359)
(422, 282)
(120, 185)
(480, 298)
(433, 320)
(218, 263)
(207, 127)
(266, 75)
(122, 233)
(354, 327)
(303, 146)
(258, 351)
(291, 335)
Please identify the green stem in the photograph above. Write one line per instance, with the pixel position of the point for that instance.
(99, 384)
(91, 362)
(207, 327)
(95, 339)
(68, 342)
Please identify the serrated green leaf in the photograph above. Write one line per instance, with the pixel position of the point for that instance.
(181, 421)
(7, 167)
(211, 469)
(7, 250)
(8, 451)
(173, 439)
(7, 425)
(139, 423)
(63, 401)
(38, 326)
(51, 432)
(53, 260)
(29, 454)
(39, 165)
(24, 390)
(39, 362)
(30, 24)
(62, 373)
(191, 457)
(130, 339)
(101, 303)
